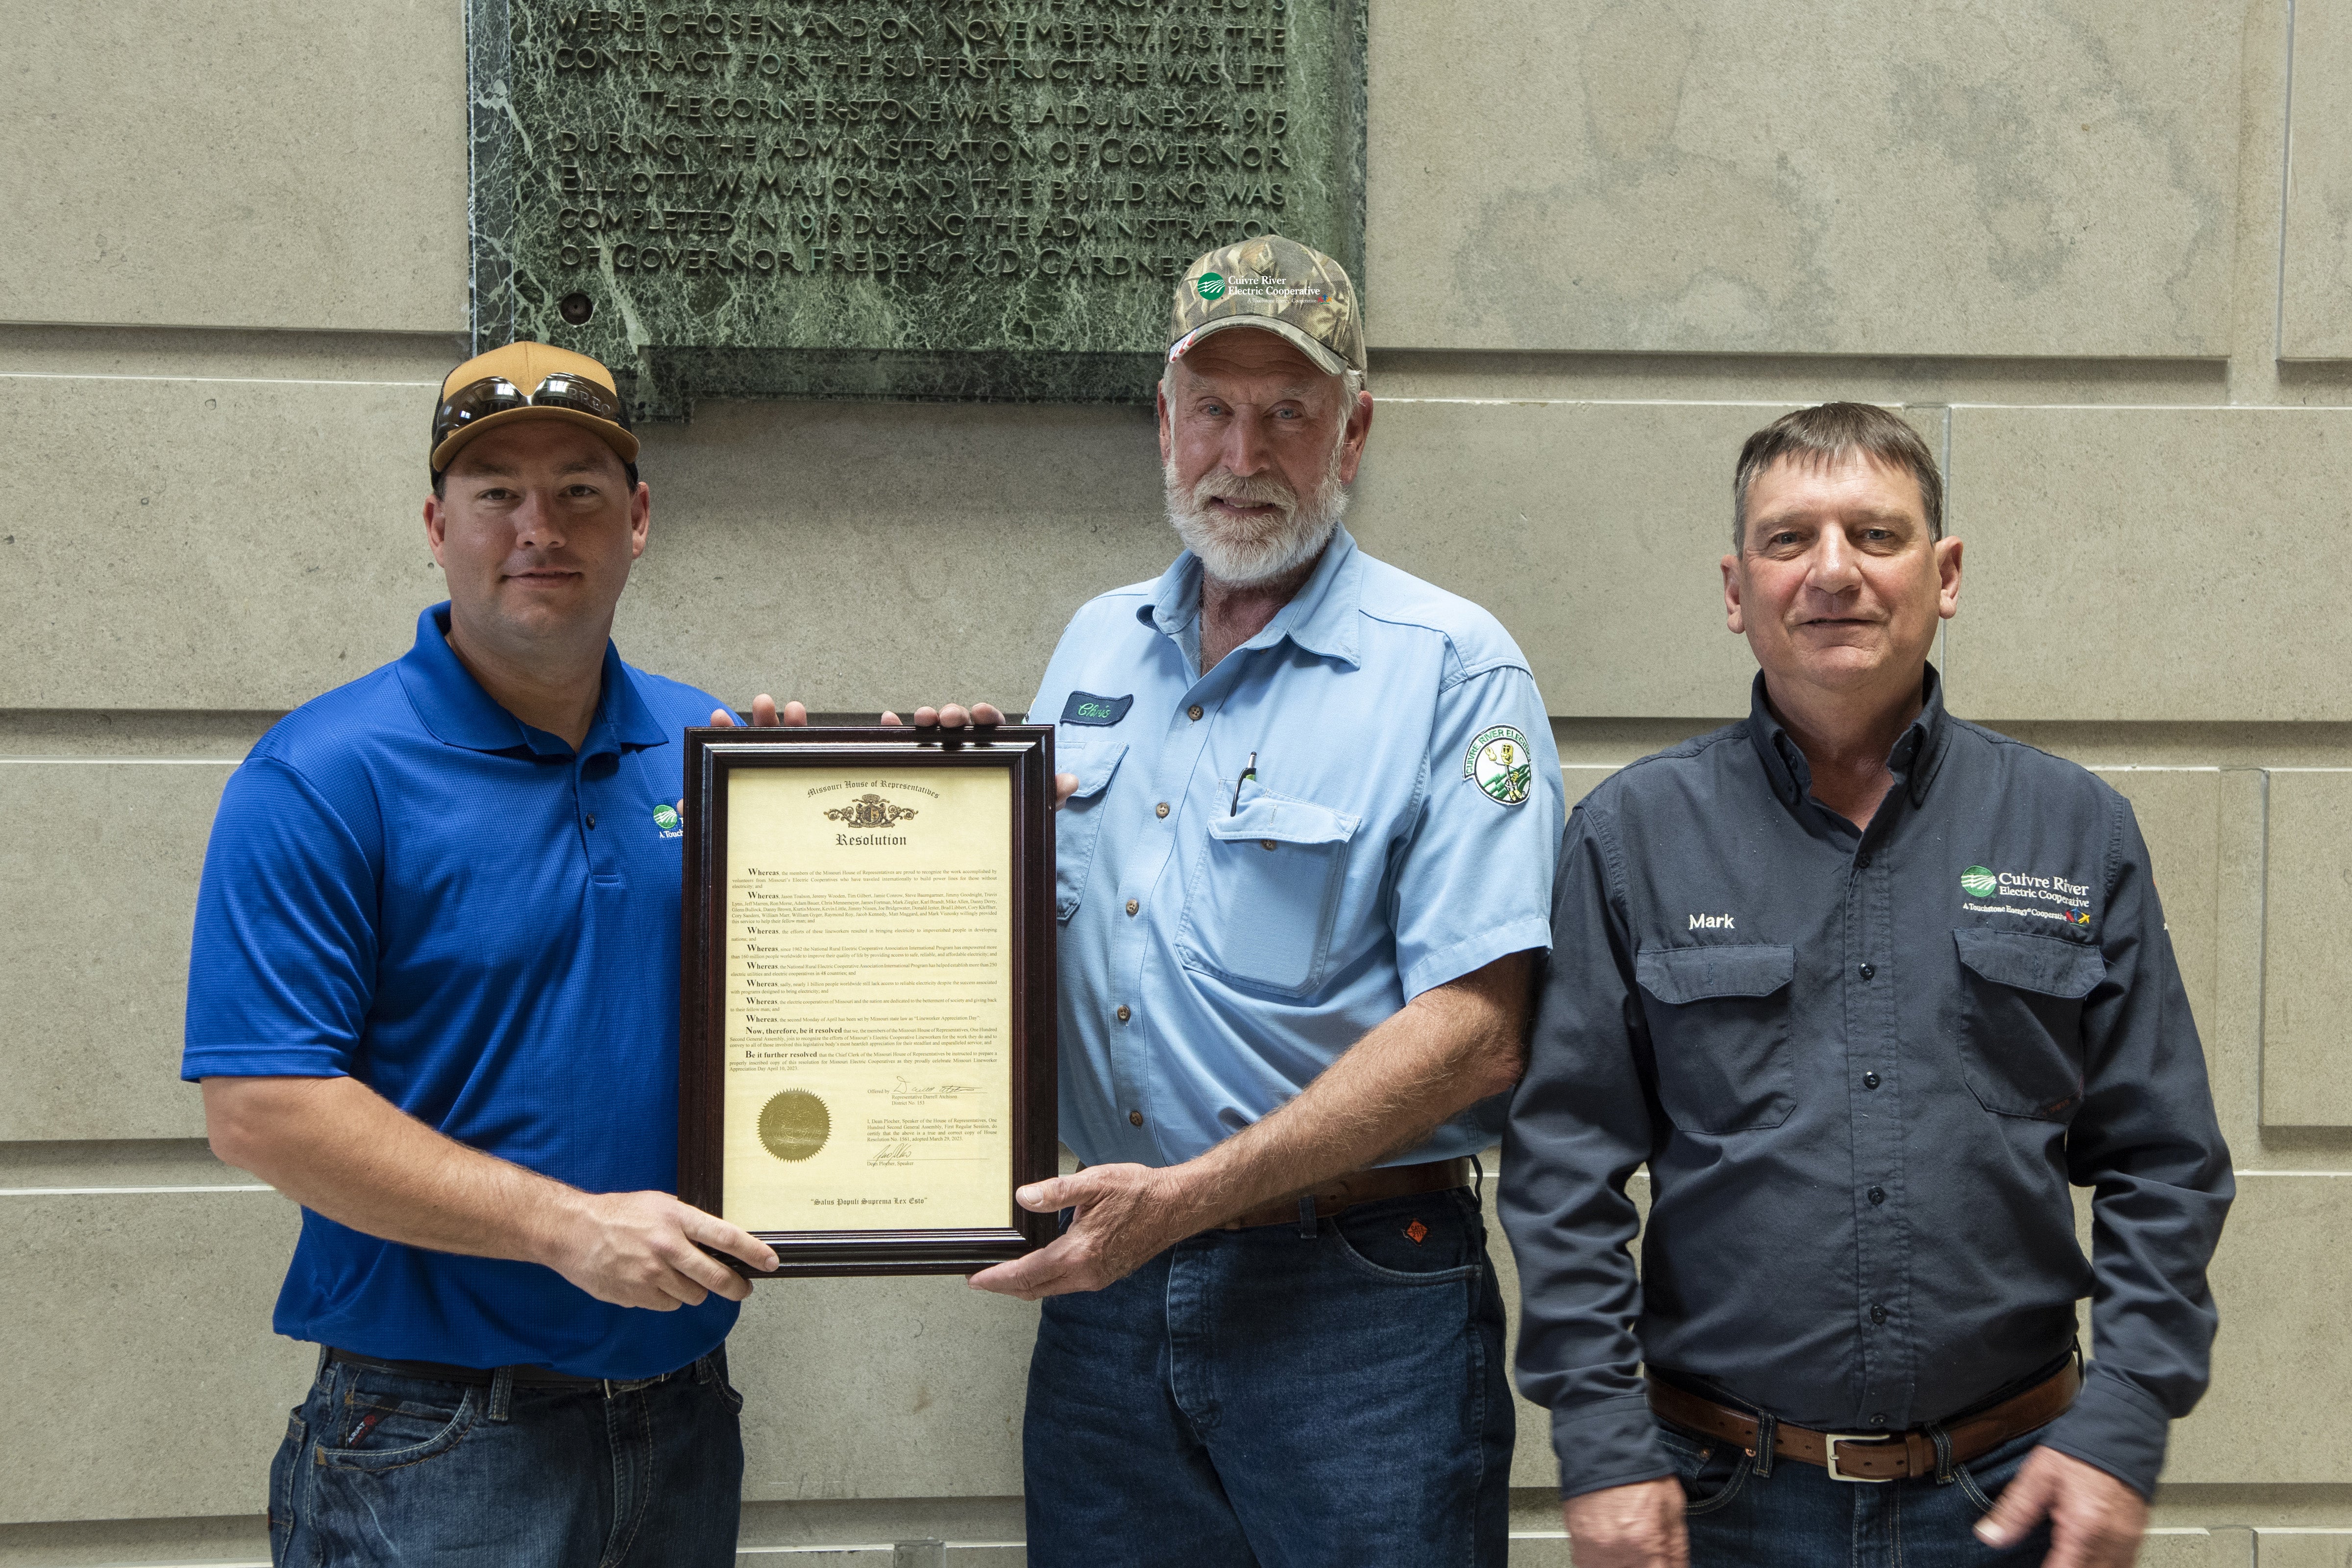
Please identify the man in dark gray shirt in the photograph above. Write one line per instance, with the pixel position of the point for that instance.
(1868, 988)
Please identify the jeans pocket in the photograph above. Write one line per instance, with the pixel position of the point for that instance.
(283, 1469)
(384, 1427)
(1712, 1471)
(724, 1386)
(1986, 1476)
(1431, 1236)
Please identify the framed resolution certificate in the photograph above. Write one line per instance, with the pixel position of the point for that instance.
(866, 1042)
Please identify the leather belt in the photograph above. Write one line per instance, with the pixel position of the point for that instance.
(482, 1377)
(1877, 1456)
(1359, 1187)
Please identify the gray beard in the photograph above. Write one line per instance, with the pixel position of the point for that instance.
(1247, 552)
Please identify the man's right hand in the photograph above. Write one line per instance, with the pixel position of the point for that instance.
(1636, 1526)
(638, 1249)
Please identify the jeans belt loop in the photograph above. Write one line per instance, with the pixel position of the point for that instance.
(1943, 1441)
(1306, 1216)
(1768, 1434)
(501, 1392)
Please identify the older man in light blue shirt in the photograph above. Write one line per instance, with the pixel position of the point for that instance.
(1305, 878)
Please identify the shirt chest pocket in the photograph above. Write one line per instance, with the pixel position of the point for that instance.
(1078, 824)
(1261, 901)
(1718, 1021)
(2021, 1020)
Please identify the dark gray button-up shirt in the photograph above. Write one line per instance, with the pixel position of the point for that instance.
(1863, 1067)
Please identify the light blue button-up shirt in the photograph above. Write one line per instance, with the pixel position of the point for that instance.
(1224, 938)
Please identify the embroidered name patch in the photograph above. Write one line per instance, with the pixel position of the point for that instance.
(1497, 763)
(1085, 708)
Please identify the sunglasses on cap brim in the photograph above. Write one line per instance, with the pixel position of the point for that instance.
(497, 394)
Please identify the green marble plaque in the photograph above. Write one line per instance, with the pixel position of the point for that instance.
(965, 199)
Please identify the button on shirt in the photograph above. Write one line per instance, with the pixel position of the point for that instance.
(408, 886)
(1228, 932)
(1863, 1069)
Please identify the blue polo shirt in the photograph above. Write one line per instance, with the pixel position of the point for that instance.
(408, 886)
(1226, 938)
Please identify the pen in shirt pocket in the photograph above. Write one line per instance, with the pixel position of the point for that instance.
(1248, 774)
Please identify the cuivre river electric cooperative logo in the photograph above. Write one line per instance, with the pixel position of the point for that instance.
(1212, 285)
(2022, 894)
(665, 819)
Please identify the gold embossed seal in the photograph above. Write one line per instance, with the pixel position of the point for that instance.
(794, 1124)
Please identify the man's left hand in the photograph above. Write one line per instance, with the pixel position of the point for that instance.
(1126, 1215)
(2096, 1520)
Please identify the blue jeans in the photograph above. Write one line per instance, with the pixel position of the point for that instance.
(378, 1467)
(1275, 1397)
(1797, 1517)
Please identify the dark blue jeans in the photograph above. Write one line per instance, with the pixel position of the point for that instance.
(1797, 1517)
(1269, 1398)
(378, 1469)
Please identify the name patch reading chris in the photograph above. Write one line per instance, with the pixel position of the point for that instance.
(1085, 708)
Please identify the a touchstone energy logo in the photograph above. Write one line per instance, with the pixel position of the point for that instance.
(1212, 285)
(1979, 883)
(665, 816)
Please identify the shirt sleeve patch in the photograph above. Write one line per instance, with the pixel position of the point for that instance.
(1500, 764)
(1085, 708)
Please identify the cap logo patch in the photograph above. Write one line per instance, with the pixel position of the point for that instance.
(1210, 285)
(1500, 764)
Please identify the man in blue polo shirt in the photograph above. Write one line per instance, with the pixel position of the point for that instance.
(432, 996)
(1303, 881)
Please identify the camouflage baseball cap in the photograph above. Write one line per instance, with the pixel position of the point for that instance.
(1275, 284)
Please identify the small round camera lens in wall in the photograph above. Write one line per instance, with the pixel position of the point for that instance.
(576, 309)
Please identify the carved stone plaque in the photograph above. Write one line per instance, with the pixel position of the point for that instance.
(965, 199)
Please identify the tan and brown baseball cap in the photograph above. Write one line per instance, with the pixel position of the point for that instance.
(1279, 286)
(529, 381)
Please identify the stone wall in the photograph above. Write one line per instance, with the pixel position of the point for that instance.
(1605, 241)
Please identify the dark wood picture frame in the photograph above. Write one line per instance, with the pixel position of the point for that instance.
(1027, 754)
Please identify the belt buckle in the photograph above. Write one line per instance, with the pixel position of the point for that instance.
(1829, 1440)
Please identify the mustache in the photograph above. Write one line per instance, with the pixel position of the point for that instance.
(1258, 490)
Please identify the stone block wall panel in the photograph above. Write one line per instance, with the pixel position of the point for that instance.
(98, 894)
(272, 164)
(2139, 564)
(1862, 176)
(140, 1374)
(2316, 274)
(2306, 1062)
